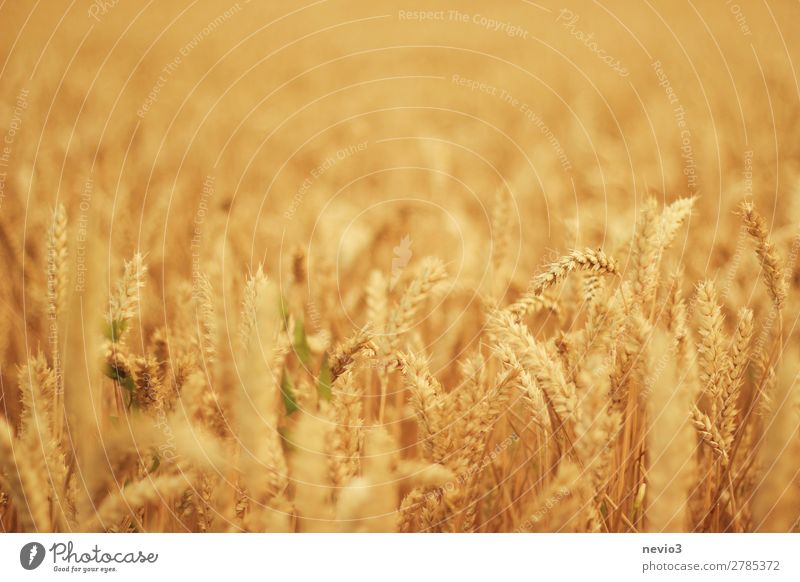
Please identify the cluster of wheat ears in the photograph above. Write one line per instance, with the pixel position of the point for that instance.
(599, 399)
(326, 269)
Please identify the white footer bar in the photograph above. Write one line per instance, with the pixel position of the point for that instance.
(418, 557)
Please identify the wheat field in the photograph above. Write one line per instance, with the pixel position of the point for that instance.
(350, 266)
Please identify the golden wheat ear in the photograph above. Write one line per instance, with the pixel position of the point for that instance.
(771, 264)
(124, 303)
(586, 260)
(57, 265)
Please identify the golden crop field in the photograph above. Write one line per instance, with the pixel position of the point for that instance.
(370, 266)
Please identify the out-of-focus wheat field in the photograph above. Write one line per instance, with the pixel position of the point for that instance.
(380, 266)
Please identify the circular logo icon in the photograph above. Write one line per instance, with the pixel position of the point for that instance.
(31, 555)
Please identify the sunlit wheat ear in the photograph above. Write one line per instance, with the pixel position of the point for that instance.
(546, 370)
(675, 312)
(125, 299)
(673, 217)
(346, 438)
(709, 434)
(57, 267)
(644, 252)
(149, 393)
(431, 274)
(523, 382)
(247, 318)
(587, 259)
(427, 400)
(772, 268)
(734, 375)
(654, 234)
(712, 355)
(345, 354)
